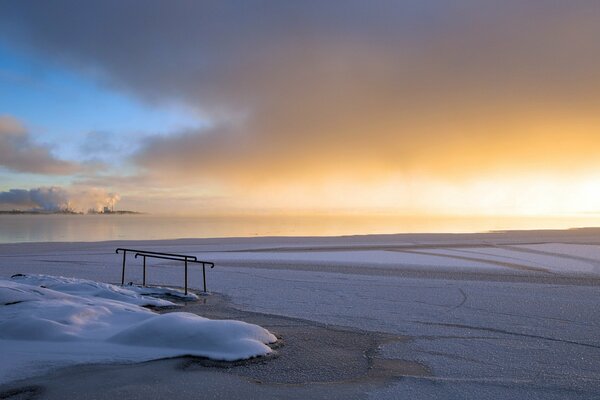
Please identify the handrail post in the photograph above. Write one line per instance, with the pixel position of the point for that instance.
(186, 275)
(123, 272)
(144, 275)
(204, 276)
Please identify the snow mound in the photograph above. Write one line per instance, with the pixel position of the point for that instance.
(220, 340)
(13, 293)
(36, 313)
(83, 287)
(55, 321)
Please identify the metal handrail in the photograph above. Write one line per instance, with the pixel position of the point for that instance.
(165, 256)
(154, 252)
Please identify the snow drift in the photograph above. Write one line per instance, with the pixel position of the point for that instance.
(50, 321)
(142, 296)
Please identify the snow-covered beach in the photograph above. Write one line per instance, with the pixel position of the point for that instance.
(507, 314)
(55, 321)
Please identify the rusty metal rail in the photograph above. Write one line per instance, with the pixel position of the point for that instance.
(164, 256)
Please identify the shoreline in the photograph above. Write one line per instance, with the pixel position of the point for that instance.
(310, 359)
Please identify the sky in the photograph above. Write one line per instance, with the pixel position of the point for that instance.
(400, 107)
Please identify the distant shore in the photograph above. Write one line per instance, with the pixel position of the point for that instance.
(67, 212)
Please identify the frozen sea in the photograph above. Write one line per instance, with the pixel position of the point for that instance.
(492, 315)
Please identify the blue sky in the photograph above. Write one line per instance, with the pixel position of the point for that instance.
(60, 107)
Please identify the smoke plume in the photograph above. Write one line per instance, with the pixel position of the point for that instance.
(56, 198)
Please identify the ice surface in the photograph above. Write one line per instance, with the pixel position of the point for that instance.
(484, 325)
(558, 262)
(362, 258)
(50, 321)
(588, 255)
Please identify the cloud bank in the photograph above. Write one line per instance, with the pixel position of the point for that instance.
(18, 152)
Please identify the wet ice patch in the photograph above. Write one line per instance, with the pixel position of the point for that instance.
(162, 291)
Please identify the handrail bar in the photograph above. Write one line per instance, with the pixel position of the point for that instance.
(154, 252)
(164, 256)
(173, 258)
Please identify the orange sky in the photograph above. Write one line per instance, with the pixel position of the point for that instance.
(420, 108)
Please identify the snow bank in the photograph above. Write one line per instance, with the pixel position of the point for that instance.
(219, 340)
(56, 321)
(87, 288)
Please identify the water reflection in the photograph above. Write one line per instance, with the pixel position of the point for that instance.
(69, 228)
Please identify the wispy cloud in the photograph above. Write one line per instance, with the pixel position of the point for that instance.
(18, 152)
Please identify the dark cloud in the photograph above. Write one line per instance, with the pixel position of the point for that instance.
(46, 198)
(19, 153)
(310, 88)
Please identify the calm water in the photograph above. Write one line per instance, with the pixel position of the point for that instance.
(75, 228)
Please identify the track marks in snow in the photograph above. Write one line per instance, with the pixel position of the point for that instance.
(519, 267)
(463, 301)
(532, 317)
(505, 332)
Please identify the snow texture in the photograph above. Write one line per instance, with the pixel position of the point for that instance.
(492, 316)
(48, 321)
(83, 287)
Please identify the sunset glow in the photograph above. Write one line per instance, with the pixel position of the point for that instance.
(419, 109)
